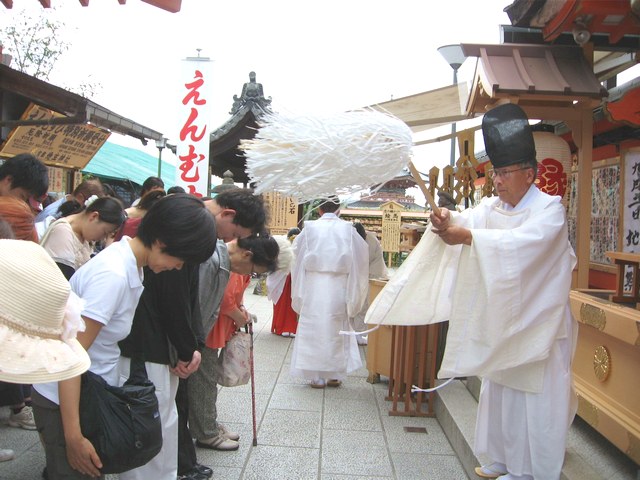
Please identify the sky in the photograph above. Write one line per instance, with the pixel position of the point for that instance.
(312, 57)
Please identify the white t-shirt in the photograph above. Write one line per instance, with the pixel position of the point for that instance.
(110, 284)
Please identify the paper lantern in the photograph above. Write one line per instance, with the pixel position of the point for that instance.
(554, 164)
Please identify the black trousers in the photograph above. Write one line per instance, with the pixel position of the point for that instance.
(187, 459)
(13, 393)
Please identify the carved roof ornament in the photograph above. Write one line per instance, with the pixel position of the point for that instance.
(252, 94)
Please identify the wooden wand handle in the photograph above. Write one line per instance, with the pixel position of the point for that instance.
(423, 186)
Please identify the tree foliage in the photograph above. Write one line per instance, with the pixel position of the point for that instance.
(35, 43)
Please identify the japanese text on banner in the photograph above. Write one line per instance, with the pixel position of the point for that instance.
(193, 141)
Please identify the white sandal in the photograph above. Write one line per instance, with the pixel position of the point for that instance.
(493, 470)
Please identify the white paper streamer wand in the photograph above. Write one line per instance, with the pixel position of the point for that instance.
(313, 157)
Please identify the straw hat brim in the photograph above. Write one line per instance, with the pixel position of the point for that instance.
(28, 359)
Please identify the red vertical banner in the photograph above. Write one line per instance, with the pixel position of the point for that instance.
(193, 137)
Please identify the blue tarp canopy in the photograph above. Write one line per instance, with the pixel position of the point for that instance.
(123, 163)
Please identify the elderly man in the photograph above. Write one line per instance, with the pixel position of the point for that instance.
(510, 316)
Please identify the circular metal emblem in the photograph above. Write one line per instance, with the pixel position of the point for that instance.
(601, 363)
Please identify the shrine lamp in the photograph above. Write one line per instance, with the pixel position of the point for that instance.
(455, 57)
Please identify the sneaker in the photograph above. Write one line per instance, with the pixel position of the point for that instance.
(334, 382)
(220, 442)
(227, 433)
(6, 454)
(23, 419)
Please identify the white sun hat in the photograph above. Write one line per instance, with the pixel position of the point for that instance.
(39, 318)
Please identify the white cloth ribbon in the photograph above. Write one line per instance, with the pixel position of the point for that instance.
(72, 322)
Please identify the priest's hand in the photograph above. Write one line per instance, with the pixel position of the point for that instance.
(439, 223)
(455, 235)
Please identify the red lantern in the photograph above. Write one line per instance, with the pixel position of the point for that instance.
(554, 164)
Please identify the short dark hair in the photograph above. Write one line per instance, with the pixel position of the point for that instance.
(360, 229)
(26, 172)
(151, 182)
(264, 249)
(249, 208)
(183, 224)
(150, 198)
(176, 189)
(329, 205)
(293, 231)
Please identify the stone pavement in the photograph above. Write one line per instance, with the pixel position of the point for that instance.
(341, 433)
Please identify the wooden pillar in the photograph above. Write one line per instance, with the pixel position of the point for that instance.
(583, 137)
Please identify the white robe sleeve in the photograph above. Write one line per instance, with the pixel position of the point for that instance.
(298, 272)
(275, 284)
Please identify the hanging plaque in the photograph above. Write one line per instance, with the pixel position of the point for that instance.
(391, 221)
(70, 146)
(283, 212)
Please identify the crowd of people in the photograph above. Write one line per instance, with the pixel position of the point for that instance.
(163, 281)
(152, 279)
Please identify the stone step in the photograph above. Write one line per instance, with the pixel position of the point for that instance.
(589, 455)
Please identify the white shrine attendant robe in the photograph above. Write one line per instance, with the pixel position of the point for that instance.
(507, 299)
(527, 401)
(329, 282)
(377, 269)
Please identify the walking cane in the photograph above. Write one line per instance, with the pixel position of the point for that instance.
(249, 329)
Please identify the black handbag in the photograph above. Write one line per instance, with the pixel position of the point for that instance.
(122, 423)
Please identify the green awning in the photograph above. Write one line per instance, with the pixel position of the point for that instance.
(123, 163)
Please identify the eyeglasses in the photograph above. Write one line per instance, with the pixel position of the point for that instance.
(505, 173)
(255, 274)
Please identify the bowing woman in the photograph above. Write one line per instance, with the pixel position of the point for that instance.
(176, 230)
(69, 240)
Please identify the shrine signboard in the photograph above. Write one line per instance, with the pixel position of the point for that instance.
(283, 212)
(391, 221)
(69, 146)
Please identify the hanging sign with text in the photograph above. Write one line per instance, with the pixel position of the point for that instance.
(391, 221)
(70, 146)
(283, 212)
(631, 210)
(193, 138)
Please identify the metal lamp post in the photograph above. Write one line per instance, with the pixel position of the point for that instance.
(455, 57)
(161, 143)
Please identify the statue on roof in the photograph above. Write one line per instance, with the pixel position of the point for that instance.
(251, 92)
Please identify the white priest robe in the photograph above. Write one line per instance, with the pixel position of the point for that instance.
(507, 301)
(329, 282)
